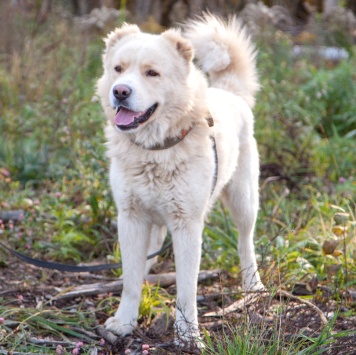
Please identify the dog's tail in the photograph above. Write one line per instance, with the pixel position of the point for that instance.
(226, 53)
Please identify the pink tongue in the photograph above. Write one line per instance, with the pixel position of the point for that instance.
(124, 117)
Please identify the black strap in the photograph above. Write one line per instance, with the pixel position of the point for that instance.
(72, 268)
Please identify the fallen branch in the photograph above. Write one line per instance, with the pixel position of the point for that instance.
(253, 297)
(301, 300)
(108, 336)
(164, 280)
(236, 306)
(44, 342)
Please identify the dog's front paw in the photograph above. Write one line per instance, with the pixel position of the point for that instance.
(188, 336)
(189, 342)
(256, 286)
(116, 326)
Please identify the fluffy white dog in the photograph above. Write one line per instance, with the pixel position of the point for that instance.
(168, 163)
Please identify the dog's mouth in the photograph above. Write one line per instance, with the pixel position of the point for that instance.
(126, 119)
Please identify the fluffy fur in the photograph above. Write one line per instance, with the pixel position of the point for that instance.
(171, 188)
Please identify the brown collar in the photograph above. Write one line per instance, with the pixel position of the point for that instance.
(172, 141)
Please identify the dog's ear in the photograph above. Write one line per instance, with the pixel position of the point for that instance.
(114, 36)
(183, 46)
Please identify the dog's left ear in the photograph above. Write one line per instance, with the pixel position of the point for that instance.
(183, 46)
(125, 30)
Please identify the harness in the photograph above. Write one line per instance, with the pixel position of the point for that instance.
(168, 143)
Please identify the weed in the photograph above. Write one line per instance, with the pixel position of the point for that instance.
(154, 300)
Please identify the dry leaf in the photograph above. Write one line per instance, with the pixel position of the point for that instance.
(341, 218)
(329, 246)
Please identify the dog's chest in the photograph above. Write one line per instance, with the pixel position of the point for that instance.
(156, 178)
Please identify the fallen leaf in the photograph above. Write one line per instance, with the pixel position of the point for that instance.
(337, 252)
(341, 218)
(340, 230)
(329, 246)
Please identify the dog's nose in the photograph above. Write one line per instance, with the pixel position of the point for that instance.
(122, 92)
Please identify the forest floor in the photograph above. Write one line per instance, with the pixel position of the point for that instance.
(24, 287)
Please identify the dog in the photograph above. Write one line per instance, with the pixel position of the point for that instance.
(178, 143)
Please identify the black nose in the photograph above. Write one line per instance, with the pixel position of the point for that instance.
(122, 92)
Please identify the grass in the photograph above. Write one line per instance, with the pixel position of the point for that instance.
(53, 167)
(248, 340)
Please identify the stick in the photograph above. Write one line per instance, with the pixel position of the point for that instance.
(107, 336)
(163, 280)
(45, 342)
(251, 298)
(309, 304)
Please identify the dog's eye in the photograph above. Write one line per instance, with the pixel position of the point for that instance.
(118, 68)
(151, 73)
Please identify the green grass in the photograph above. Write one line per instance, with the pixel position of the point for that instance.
(251, 339)
(53, 167)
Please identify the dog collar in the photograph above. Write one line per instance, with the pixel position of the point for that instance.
(172, 141)
(168, 142)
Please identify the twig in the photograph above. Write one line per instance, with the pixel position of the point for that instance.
(88, 334)
(236, 306)
(107, 336)
(253, 297)
(309, 304)
(44, 342)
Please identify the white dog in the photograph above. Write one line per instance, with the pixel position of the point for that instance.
(168, 163)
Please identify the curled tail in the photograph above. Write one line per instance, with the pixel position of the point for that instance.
(224, 50)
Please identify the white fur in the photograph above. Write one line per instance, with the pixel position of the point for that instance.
(171, 188)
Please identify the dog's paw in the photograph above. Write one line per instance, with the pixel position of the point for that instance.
(189, 342)
(257, 286)
(188, 336)
(116, 326)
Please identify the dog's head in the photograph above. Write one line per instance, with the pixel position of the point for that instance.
(146, 77)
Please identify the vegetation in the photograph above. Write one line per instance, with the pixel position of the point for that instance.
(53, 168)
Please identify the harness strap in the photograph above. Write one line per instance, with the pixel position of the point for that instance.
(73, 268)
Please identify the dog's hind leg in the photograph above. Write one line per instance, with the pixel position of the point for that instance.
(134, 233)
(241, 197)
(157, 236)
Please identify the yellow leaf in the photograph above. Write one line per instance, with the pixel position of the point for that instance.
(337, 252)
(340, 230)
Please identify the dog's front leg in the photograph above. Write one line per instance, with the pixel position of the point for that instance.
(187, 239)
(133, 238)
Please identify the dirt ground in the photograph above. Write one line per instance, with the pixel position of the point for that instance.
(23, 285)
